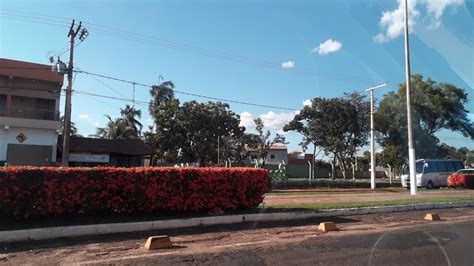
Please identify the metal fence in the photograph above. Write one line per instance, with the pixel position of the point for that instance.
(29, 113)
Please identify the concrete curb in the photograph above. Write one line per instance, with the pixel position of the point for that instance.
(98, 229)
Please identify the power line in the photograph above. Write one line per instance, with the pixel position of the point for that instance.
(146, 104)
(141, 38)
(189, 93)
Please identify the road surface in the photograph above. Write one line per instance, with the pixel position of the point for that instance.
(390, 239)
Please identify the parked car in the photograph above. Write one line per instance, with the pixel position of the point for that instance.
(463, 178)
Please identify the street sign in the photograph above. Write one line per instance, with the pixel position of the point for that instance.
(21, 137)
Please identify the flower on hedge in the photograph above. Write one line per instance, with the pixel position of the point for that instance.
(43, 191)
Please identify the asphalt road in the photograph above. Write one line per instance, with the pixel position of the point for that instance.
(384, 239)
(446, 244)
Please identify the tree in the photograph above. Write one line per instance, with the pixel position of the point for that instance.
(115, 129)
(262, 141)
(435, 107)
(73, 129)
(160, 94)
(190, 132)
(202, 125)
(130, 116)
(337, 125)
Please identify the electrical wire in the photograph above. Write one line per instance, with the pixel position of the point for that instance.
(117, 33)
(188, 93)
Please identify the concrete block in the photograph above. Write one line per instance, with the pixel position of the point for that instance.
(432, 217)
(327, 226)
(157, 242)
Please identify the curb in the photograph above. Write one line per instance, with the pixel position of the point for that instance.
(98, 229)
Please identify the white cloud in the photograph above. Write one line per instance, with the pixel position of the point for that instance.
(246, 120)
(272, 121)
(307, 102)
(84, 116)
(96, 124)
(288, 64)
(328, 46)
(392, 22)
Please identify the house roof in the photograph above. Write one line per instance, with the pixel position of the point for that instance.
(272, 148)
(120, 146)
(29, 70)
(296, 152)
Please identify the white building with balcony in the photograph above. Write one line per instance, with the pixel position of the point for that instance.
(29, 113)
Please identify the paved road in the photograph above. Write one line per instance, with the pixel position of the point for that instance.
(390, 239)
(444, 244)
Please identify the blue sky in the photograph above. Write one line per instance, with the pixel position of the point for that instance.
(307, 49)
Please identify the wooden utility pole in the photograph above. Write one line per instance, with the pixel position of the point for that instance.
(67, 106)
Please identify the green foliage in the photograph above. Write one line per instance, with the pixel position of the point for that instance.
(435, 106)
(125, 127)
(190, 132)
(337, 125)
(279, 176)
(262, 141)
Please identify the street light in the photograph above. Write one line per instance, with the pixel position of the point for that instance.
(372, 135)
(411, 149)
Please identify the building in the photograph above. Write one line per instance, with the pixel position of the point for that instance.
(276, 155)
(107, 152)
(29, 113)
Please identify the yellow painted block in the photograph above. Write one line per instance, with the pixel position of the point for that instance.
(157, 242)
(432, 217)
(327, 226)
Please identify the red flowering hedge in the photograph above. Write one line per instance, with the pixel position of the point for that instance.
(463, 180)
(46, 191)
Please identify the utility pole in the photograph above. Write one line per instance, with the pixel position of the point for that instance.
(67, 106)
(372, 135)
(218, 149)
(411, 149)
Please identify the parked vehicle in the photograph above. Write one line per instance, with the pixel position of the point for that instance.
(431, 173)
(462, 178)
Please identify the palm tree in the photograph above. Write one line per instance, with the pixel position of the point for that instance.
(129, 115)
(72, 131)
(161, 94)
(115, 129)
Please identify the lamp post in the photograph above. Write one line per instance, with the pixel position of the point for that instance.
(372, 135)
(411, 149)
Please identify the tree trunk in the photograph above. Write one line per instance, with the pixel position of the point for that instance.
(313, 164)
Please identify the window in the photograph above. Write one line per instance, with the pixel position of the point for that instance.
(430, 167)
(450, 166)
(441, 167)
(419, 167)
(272, 156)
(458, 165)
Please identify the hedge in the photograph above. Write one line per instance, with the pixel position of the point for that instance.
(27, 192)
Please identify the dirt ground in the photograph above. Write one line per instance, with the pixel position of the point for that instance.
(213, 241)
(281, 197)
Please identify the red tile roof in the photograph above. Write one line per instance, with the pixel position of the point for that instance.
(28, 70)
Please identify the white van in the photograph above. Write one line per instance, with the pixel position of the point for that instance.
(431, 173)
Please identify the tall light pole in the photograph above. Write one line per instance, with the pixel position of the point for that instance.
(372, 135)
(411, 149)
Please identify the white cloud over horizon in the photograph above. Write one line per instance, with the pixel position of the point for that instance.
(83, 116)
(272, 121)
(288, 64)
(392, 22)
(307, 102)
(327, 47)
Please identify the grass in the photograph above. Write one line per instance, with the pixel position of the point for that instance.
(380, 203)
(329, 192)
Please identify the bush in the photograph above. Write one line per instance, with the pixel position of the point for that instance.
(46, 191)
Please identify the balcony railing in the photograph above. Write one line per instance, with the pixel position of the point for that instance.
(29, 113)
